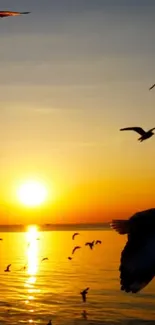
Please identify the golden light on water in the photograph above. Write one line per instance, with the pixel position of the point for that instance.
(32, 251)
(32, 262)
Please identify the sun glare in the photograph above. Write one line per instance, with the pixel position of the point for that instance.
(32, 193)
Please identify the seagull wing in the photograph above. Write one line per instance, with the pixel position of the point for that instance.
(98, 242)
(75, 248)
(8, 266)
(152, 87)
(121, 226)
(87, 244)
(12, 13)
(76, 233)
(140, 225)
(134, 128)
(83, 293)
(152, 129)
(86, 290)
(25, 13)
(18, 13)
(4, 14)
(137, 266)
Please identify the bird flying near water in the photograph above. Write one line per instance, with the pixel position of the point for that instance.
(44, 259)
(75, 248)
(138, 256)
(152, 87)
(90, 244)
(144, 134)
(98, 242)
(4, 14)
(84, 293)
(7, 268)
(75, 234)
(50, 322)
(23, 268)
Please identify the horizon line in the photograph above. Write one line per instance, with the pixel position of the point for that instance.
(46, 227)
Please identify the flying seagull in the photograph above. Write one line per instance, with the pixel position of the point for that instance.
(98, 242)
(23, 268)
(90, 244)
(12, 13)
(144, 134)
(152, 87)
(75, 248)
(44, 259)
(84, 293)
(138, 256)
(76, 233)
(69, 258)
(7, 268)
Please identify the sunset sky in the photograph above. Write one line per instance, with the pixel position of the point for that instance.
(72, 73)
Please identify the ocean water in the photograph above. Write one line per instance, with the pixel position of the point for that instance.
(51, 289)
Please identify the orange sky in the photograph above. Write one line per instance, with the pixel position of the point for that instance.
(71, 77)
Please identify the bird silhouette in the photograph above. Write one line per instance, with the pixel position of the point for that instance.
(7, 268)
(90, 244)
(23, 268)
(144, 134)
(152, 87)
(74, 235)
(138, 256)
(44, 259)
(84, 293)
(75, 248)
(50, 322)
(69, 258)
(4, 14)
(98, 242)
(1, 238)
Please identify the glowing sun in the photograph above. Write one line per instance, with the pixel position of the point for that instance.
(32, 193)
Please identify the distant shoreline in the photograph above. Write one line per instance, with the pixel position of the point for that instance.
(56, 227)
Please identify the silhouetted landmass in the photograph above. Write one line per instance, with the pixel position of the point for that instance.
(49, 227)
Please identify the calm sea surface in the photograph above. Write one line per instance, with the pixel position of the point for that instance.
(50, 289)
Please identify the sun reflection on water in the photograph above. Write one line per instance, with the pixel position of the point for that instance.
(32, 252)
(32, 265)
